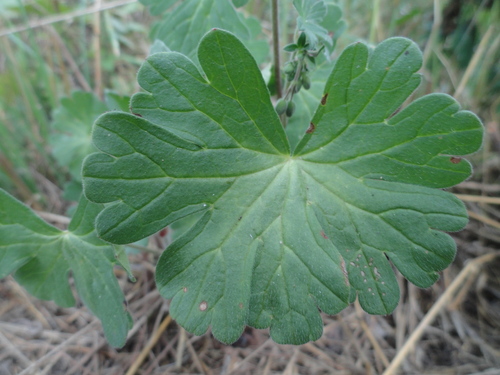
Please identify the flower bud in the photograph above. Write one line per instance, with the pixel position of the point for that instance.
(281, 106)
(306, 81)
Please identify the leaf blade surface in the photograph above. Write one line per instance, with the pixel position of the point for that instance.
(41, 258)
(282, 235)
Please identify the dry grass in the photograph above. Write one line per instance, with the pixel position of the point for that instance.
(451, 328)
(459, 331)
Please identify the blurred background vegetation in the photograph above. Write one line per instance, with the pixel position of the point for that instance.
(54, 51)
(64, 62)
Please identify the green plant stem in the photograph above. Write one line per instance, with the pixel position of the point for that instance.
(98, 90)
(290, 92)
(375, 25)
(276, 48)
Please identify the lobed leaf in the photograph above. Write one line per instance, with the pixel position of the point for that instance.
(280, 234)
(42, 257)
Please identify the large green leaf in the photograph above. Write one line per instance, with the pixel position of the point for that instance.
(281, 235)
(42, 257)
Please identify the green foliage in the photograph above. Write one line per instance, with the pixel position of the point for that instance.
(280, 233)
(72, 126)
(191, 19)
(307, 101)
(239, 3)
(269, 224)
(333, 22)
(158, 7)
(158, 46)
(311, 14)
(7, 8)
(321, 21)
(309, 61)
(42, 257)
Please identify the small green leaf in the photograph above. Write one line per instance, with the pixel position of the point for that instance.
(301, 42)
(290, 47)
(280, 234)
(42, 257)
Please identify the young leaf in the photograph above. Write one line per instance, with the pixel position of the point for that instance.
(290, 47)
(42, 257)
(281, 235)
(311, 15)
